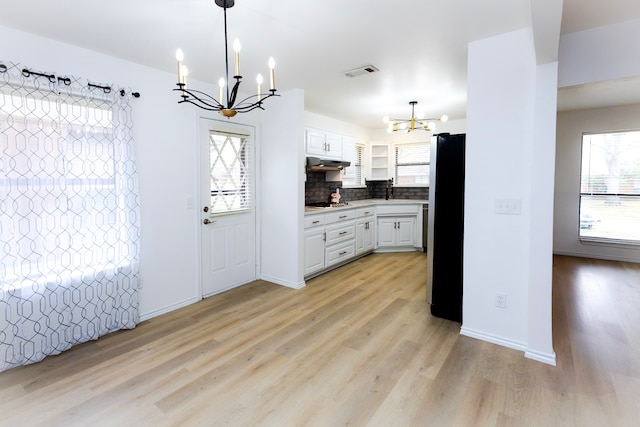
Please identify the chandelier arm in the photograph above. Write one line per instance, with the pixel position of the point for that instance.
(201, 97)
(241, 105)
(200, 104)
(258, 104)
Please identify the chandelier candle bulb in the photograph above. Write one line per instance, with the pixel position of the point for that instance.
(221, 86)
(259, 81)
(236, 49)
(272, 73)
(185, 73)
(180, 58)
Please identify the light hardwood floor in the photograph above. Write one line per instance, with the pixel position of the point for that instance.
(356, 347)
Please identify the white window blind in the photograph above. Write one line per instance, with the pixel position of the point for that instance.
(353, 174)
(412, 164)
(230, 165)
(609, 207)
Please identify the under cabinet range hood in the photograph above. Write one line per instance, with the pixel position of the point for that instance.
(320, 165)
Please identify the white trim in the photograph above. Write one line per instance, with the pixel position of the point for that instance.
(169, 308)
(492, 339)
(597, 256)
(291, 285)
(548, 358)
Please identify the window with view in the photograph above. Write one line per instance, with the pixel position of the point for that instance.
(610, 187)
(412, 164)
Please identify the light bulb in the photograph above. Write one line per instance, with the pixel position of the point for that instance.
(444, 118)
(431, 125)
(179, 55)
(221, 82)
(403, 126)
(272, 73)
(385, 119)
(185, 71)
(236, 46)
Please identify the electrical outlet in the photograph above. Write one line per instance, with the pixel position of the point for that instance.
(501, 300)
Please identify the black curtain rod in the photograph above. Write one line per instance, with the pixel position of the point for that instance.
(65, 80)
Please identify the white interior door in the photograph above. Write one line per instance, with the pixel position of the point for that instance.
(228, 218)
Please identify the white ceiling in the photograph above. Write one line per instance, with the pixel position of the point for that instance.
(420, 46)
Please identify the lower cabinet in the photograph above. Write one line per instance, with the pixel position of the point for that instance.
(313, 250)
(365, 230)
(396, 231)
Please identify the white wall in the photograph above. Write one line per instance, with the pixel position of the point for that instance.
(505, 97)
(282, 191)
(571, 125)
(598, 54)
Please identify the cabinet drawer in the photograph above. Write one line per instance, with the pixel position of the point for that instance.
(340, 215)
(340, 252)
(313, 221)
(398, 209)
(368, 211)
(340, 232)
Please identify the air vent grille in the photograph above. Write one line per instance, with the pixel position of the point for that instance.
(367, 69)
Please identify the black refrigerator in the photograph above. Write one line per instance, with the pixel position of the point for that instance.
(446, 226)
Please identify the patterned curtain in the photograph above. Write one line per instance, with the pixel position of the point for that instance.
(69, 214)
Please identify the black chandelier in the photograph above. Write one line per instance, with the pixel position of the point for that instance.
(226, 103)
(408, 125)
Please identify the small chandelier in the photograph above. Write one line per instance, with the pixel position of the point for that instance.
(226, 103)
(414, 123)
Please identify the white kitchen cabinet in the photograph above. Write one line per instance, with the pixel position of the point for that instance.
(314, 250)
(396, 231)
(365, 230)
(326, 145)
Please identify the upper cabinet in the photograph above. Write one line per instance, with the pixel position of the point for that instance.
(323, 144)
(380, 161)
(349, 155)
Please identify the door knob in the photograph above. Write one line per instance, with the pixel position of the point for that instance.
(206, 221)
(206, 209)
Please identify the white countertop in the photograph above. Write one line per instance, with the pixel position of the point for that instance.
(367, 202)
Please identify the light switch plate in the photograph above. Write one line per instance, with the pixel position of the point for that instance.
(508, 206)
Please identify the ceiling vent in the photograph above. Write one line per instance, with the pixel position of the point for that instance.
(367, 69)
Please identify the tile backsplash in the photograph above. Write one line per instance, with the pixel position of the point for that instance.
(317, 189)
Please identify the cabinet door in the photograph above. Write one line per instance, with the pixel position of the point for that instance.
(333, 146)
(406, 231)
(369, 235)
(313, 250)
(360, 235)
(348, 155)
(386, 231)
(314, 143)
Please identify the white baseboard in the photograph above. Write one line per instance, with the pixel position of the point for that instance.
(280, 282)
(164, 310)
(596, 256)
(548, 358)
(493, 339)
